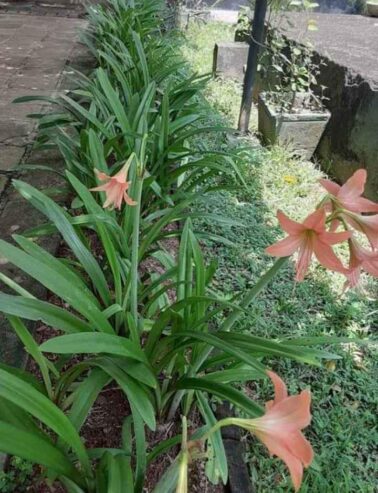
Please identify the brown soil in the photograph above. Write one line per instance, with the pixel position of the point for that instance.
(197, 477)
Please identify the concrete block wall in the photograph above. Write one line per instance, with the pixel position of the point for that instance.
(350, 140)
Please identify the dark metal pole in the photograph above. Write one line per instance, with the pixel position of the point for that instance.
(257, 38)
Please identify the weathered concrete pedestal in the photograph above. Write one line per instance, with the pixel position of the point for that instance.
(302, 131)
(230, 60)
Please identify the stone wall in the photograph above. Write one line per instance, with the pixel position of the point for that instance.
(351, 137)
(348, 45)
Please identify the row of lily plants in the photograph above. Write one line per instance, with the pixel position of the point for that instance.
(139, 314)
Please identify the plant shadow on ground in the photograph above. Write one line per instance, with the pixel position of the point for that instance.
(344, 390)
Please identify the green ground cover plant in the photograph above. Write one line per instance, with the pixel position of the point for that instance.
(344, 425)
(140, 153)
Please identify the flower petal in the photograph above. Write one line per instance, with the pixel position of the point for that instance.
(280, 390)
(360, 204)
(354, 187)
(285, 247)
(102, 176)
(100, 188)
(288, 225)
(128, 199)
(353, 278)
(301, 448)
(277, 446)
(327, 257)
(335, 223)
(334, 238)
(316, 220)
(304, 259)
(331, 187)
(119, 198)
(368, 225)
(289, 415)
(371, 266)
(121, 176)
(112, 194)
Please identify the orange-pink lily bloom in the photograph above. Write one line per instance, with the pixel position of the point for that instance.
(348, 196)
(309, 238)
(349, 204)
(367, 225)
(279, 429)
(115, 188)
(360, 259)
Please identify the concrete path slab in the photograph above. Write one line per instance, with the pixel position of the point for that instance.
(33, 54)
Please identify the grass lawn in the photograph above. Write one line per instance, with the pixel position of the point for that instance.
(343, 431)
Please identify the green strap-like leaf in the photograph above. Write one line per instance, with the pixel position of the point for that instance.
(32, 309)
(42, 255)
(34, 448)
(32, 348)
(56, 214)
(53, 280)
(120, 474)
(93, 342)
(85, 395)
(136, 394)
(271, 348)
(28, 398)
(223, 391)
(168, 482)
(220, 460)
(216, 342)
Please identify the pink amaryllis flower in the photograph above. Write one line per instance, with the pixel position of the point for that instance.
(360, 259)
(348, 205)
(309, 238)
(115, 188)
(348, 196)
(367, 225)
(279, 429)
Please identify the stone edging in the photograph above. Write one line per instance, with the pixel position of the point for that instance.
(239, 480)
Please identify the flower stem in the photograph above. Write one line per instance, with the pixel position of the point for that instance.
(184, 440)
(218, 425)
(134, 279)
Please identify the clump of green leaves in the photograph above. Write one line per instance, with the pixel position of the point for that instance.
(290, 73)
(17, 476)
(288, 68)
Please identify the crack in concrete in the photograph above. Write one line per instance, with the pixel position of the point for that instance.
(21, 136)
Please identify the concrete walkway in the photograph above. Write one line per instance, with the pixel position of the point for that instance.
(33, 54)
